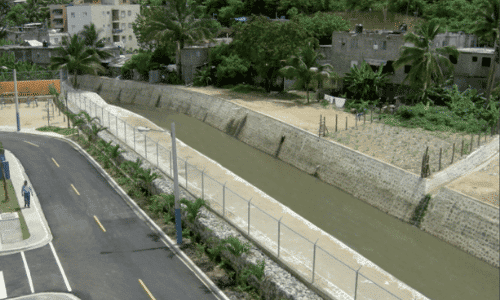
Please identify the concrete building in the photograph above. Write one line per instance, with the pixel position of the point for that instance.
(112, 18)
(382, 48)
(40, 55)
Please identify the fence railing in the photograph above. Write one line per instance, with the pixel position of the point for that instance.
(28, 75)
(321, 267)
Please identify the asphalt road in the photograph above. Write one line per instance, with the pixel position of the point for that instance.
(98, 265)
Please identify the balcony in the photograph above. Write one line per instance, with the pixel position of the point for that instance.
(116, 31)
(57, 12)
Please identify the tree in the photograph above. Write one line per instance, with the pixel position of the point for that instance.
(364, 83)
(75, 56)
(426, 63)
(488, 28)
(176, 24)
(306, 68)
(266, 44)
(91, 39)
(322, 25)
(5, 6)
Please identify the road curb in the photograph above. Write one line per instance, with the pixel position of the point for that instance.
(48, 296)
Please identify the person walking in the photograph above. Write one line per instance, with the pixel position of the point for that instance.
(26, 191)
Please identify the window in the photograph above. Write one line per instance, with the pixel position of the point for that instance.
(384, 45)
(342, 43)
(109, 39)
(474, 58)
(124, 38)
(84, 13)
(453, 59)
(108, 12)
(129, 13)
(72, 14)
(407, 69)
(486, 61)
(129, 37)
(123, 14)
(129, 25)
(104, 26)
(445, 43)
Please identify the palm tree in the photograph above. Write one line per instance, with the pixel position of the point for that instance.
(488, 28)
(91, 39)
(426, 68)
(75, 56)
(306, 68)
(175, 24)
(364, 83)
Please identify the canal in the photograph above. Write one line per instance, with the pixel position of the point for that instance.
(429, 265)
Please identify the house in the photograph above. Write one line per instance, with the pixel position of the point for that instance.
(382, 48)
(113, 18)
(39, 55)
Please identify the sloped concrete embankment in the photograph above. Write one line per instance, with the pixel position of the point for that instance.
(387, 187)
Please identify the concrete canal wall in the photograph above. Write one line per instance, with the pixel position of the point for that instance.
(387, 187)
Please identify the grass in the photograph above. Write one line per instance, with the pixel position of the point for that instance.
(13, 206)
(207, 258)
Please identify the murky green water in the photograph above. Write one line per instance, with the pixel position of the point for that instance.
(425, 263)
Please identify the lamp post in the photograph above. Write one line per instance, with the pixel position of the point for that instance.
(15, 97)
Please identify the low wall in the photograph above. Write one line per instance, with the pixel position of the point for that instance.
(464, 222)
(387, 187)
(32, 87)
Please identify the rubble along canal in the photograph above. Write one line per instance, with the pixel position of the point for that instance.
(427, 264)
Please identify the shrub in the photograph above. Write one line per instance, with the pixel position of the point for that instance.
(232, 70)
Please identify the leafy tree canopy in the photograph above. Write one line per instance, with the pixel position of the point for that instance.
(266, 44)
(321, 25)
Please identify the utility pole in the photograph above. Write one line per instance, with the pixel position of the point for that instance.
(178, 224)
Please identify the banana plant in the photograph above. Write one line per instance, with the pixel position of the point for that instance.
(94, 131)
(132, 167)
(364, 83)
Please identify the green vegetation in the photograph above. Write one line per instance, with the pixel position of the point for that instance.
(63, 131)
(11, 204)
(76, 57)
(420, 210)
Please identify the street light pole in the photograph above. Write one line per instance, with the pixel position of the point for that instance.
(17, 103)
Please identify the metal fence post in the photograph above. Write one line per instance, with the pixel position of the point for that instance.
(314, 260)
(249, 216)
(224, 200)
(186, 168)
(279, 225)
(356, 284)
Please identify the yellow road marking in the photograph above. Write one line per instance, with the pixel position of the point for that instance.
(75, 189)
(55, 162)
(31, 144)
(97, 220)
(147, 291)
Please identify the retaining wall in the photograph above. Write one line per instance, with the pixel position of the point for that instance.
(387, 187)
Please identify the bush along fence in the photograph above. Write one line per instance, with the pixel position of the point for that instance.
(222, 200)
